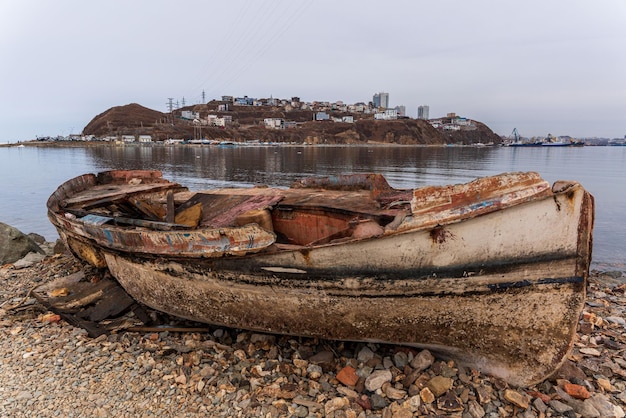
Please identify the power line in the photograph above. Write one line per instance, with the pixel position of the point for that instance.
(249, 40)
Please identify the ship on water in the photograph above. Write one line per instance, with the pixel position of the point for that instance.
(515, 140)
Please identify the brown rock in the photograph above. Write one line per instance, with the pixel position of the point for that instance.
(423, 360)
(519, 399)
(347, 392)
(484, 396)
(360, 385)
(576, 391)
(373, 362)
(413, 403)
(427, 396)
(14, 244)
(605, 384)
(569, 371)
(393, 393)
(325, 359)
(375, 380)
(287, 391)
(399, 411)
(335, 404)
(590, 351)
(348, 376)
(544, 398)
(439, 385)
(475, 410)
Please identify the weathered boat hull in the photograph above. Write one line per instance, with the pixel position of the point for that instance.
(492, 273)
(520, 334)
(469, 296)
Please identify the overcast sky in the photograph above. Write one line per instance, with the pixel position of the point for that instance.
(539, 66)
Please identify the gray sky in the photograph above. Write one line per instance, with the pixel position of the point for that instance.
(539, 66)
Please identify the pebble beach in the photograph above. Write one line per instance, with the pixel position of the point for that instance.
(50, 368)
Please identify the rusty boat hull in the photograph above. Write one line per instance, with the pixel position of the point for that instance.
(491, 273)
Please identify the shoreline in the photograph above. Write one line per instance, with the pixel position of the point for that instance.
(85, 144)
(79, 144)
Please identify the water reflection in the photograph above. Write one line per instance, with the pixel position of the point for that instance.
(202, 166)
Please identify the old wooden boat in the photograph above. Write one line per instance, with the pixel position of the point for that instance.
(491, 273)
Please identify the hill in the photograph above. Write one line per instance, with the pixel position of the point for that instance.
(247, 124)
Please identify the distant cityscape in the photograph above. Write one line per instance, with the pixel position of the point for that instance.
(322, 111)
(379, 102)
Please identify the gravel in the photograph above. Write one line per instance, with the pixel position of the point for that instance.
(52, 369)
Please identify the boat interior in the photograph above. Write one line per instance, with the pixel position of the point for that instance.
(313, 211)
(308, 213)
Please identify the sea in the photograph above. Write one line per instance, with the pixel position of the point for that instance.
(29, 174)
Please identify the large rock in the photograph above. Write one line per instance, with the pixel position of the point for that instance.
(14, 245)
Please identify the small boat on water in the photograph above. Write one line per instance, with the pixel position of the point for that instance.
(491, 273)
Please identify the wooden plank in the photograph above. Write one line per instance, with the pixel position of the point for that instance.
(190, 216)
(104, 202)
(81, 295)
(110, 193)
(96, 219)
(170, 214)
(112, 303)
(156, 225)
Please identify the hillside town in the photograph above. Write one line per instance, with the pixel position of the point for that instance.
(239, 119)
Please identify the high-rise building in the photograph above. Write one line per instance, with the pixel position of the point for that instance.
(381, 100)
(422, 112)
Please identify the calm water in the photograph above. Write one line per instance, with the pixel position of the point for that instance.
(29, 175)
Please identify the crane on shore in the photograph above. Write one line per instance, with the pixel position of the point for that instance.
(515, 135)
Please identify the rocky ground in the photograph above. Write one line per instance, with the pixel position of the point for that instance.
(52, 369)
